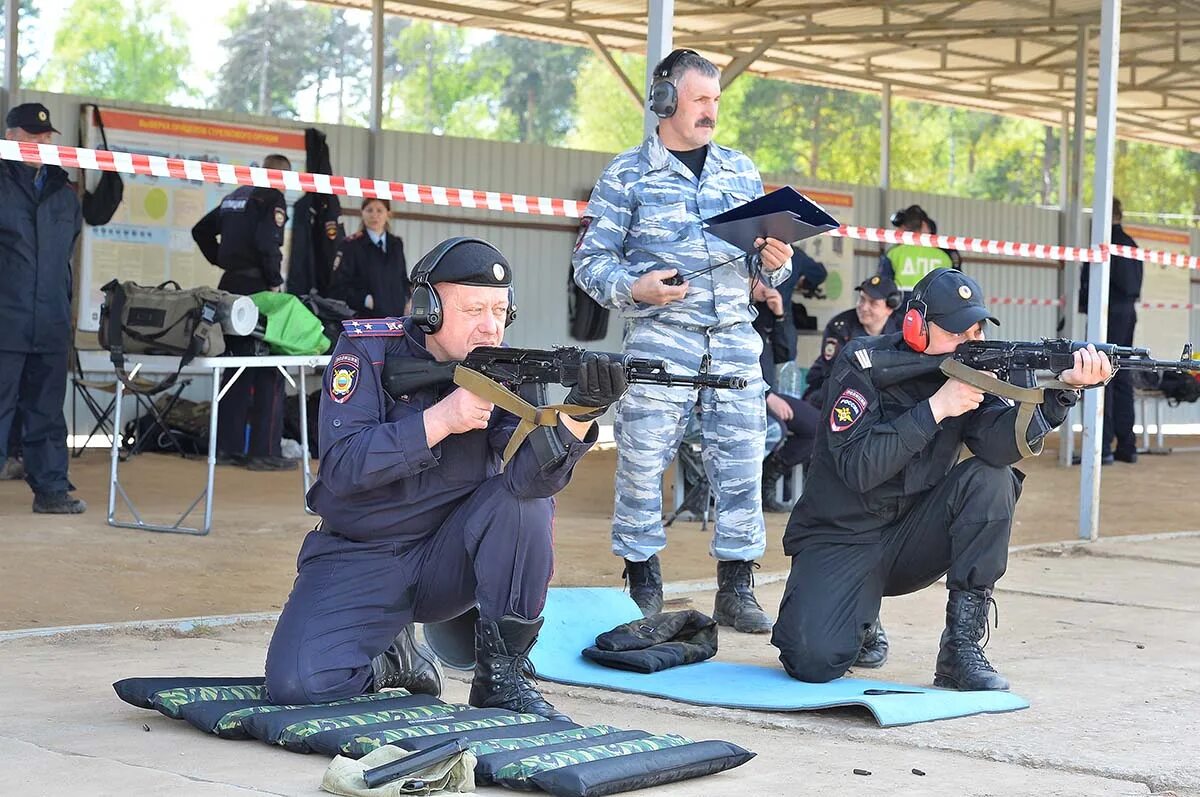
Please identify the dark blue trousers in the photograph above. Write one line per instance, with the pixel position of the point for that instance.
(35, 384)
(350, 598)
(1118, 394)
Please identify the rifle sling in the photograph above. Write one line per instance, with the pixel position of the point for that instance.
(531, 416)
(1026, 398)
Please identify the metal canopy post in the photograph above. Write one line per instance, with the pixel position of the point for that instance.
(376, 85)
(885, 152)
(1093, 401)
(659, 37)
(12, 76)
(1074, 230)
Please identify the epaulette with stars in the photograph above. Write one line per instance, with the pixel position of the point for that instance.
(373, 327)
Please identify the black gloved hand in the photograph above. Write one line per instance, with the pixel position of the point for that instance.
(601, 382)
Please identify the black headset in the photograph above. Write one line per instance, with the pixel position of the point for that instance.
(664, 97)
(905, 215)
(427, 304)
(894, 297)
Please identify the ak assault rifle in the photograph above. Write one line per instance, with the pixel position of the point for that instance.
(513, 367)
(1018, 361)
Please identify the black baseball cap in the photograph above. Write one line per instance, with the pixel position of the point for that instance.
(32, 117)
(952, 300)
(878, 287)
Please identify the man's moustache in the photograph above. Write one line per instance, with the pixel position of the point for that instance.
(706, 123)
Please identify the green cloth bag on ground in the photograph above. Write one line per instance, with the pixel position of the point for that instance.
(291, 327)
(455, 775)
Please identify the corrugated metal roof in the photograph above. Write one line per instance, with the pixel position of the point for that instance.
(1015, 57)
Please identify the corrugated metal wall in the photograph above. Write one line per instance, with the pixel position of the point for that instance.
(540, 248)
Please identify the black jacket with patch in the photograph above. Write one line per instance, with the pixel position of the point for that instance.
(243, 236)
(878, 451)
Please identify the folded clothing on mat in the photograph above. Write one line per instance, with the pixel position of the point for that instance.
(657, 642)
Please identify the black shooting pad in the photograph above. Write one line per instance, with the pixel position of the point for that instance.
(522, 751)
(335, 735)
(140, 691)
(289, 725)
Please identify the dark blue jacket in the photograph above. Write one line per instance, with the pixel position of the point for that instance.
(379, 479)
(37, 239)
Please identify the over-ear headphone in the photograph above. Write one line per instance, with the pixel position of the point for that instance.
(916, 327)
(904, 216)
(427, 304)
(893, 299)
(664, 97)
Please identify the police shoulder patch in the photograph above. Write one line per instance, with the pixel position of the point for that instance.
(849, 407)
(331, 230)
(831, 348)
(373, 327)
(280, 217)
(343, 377)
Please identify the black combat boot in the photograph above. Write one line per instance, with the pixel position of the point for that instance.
(874, 651)
(501, 664)
(960, 663)
(772, 471)
(736, 605)
(644, 580)
(62, 503)
(407, 665)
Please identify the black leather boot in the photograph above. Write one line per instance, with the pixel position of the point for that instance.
(960, 663)
(736, 605)
(407, 665)
(874, 651)
(501, 664)
(772, 471)
(644, 580)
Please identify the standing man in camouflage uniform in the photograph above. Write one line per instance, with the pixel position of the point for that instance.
(641, 230)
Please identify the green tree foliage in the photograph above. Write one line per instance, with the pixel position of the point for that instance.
(606, 119)
(272, 54)
(131, 50)
(342, 61)
(27, 18)
(537, 86)
(440, 85)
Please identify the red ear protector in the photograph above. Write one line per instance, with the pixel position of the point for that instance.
(916, 330)
(915, 327)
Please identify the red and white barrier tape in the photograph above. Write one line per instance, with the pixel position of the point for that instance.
(208, 172)
(1021, 301)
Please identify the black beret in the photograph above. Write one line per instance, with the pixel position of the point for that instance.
(469, 262)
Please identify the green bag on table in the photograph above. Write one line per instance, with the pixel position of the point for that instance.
(291, 327)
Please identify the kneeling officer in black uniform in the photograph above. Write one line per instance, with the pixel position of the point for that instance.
(892, 508)
(419, 520)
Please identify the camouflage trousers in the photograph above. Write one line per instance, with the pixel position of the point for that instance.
(650, 422)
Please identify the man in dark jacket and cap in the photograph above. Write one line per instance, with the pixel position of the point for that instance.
(421, 521)
(40, 221)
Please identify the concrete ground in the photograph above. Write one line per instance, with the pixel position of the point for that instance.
(1102, 639)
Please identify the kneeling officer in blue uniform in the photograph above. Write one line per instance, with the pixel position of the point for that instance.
(420, 520)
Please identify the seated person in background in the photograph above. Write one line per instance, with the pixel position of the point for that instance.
(895, 506)
(369, 271)
(906, 264)
(874, 313)
(419, 520)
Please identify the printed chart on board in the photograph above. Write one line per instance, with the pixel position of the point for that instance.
(149, 240)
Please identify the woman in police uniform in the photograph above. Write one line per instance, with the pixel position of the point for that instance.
(369, 272)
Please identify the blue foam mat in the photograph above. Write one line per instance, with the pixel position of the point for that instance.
(575, 616)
